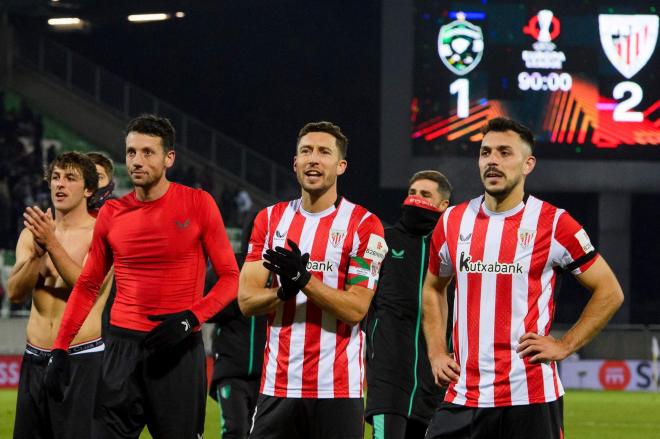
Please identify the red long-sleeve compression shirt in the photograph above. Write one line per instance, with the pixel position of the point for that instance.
(159, 251)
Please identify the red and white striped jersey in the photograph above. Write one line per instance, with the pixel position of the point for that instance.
(505, 264)
(309, 352)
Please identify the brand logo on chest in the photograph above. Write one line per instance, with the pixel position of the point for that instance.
(398, 254)
(182, 224)
(464, 239)
(466, 265)
(324, 266)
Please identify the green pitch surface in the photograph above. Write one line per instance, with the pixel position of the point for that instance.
(597, 415)
(8, 408)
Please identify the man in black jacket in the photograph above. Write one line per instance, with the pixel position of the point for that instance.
(402, 394)
(238, 351)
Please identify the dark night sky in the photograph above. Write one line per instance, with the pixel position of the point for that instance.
(259, 72)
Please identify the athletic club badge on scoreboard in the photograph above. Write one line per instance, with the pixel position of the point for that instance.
(583, 76)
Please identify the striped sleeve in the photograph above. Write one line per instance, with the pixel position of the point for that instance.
(577, 251)
(258, 237)
(439, 261)
(364, 264)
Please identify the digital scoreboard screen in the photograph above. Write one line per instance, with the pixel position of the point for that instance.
(583, 77)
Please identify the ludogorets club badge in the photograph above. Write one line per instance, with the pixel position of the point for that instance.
(460, 45)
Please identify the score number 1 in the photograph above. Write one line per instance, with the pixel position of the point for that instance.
(461, 88)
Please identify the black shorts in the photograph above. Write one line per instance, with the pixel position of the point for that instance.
(38, 415)
(237, 398)
(390, 426)
(390, 397)
(164, 391)
(453, 421)
(307, 418)
(400, 380)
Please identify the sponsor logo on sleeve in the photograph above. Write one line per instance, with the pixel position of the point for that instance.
(376, 248)
(584, 241)
(249, 249)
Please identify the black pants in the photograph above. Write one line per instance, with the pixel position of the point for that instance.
(237, 398)
(307, 418)
(164, 391)
(39, 416)
(453, 421)
(391, 426)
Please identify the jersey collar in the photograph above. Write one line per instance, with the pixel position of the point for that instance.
(321, 214)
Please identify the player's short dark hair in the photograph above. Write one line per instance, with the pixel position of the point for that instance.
(502, 124)
(79, 162)
(153, 125)
(98, 158)
(326, 127)
(444, 187)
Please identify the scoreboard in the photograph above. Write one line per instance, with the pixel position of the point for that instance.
(584, 77)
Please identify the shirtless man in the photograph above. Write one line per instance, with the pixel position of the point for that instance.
(50, 254)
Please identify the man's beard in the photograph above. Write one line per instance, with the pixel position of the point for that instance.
(317, 190)
(501, 194)
(144, 182)
(138, 183)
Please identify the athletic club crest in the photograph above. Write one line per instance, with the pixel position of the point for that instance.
(460, 45)
(337, 237)
(628, 40)
(526, 237)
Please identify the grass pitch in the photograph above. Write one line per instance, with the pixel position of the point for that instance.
(8, 409)
(611, 415)
(587, 415)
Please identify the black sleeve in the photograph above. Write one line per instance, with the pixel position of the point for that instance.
(227, 314)
(230, 311)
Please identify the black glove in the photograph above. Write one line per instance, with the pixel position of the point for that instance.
(173, 329)
(290, 265)
(288, 288)
(58, 374)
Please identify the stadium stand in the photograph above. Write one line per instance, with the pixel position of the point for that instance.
(56, 100)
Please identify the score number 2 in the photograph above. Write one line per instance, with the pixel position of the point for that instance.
(461, 87)
(622, 111)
